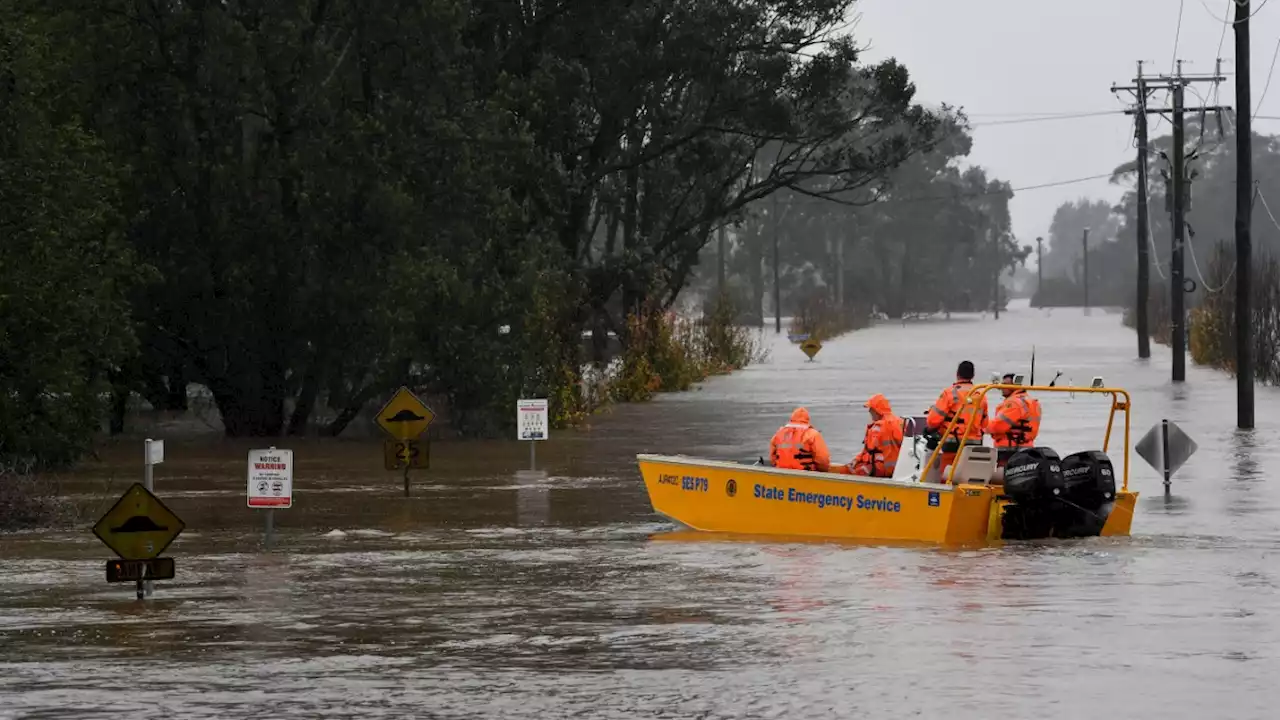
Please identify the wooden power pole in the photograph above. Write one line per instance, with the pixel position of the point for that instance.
(1144, 232)
(1142, 87)
(1244, 217)
(1084, 246)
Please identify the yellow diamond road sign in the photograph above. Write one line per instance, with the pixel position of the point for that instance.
(810, 347)
(405, 417)
(138, 526)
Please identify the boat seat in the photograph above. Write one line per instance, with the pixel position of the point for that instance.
(976, 465)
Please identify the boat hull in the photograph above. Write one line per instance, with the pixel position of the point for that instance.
(724, 497)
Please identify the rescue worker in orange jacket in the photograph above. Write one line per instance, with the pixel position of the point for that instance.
(799, 446)
(1017, 420)
(951, 403)
(880, 445)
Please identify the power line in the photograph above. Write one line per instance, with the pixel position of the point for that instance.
(1047, 118)
(1177, 34)
(961, 196)
(1227, 23)
(1221, 37)
(1267, 86)
(1031, 114)
(889, 199)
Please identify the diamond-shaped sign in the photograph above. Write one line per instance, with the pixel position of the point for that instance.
(1151, 447)
(810, 347)
(405, 417)
(138, 526)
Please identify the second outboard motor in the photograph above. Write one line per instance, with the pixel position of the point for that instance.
(1088, 497)
(1090, 479)
(1033, 476)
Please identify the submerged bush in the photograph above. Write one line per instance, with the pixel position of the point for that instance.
(1212, 326)
(821, 319)
(1159, 320)
(665, 352)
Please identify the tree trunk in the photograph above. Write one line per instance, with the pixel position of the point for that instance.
(176, 382)
(755, 268)
(119, 406)
(250, 398)
(306, 404)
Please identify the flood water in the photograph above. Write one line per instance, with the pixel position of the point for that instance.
(486, 596)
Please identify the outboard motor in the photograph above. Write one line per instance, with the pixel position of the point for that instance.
(1088, 496)
(1033, 481)
(1090, 479)
(1033, 476)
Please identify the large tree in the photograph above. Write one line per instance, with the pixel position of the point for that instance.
(65, 269)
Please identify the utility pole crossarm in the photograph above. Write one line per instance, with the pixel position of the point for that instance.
(1166, 111)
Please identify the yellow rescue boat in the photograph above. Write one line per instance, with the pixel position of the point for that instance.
(973, 501)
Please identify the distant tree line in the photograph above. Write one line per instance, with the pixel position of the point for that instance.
(933, 236)
(301, 205)
(1210, 219)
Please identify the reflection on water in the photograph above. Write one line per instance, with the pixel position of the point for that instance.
(488, 593)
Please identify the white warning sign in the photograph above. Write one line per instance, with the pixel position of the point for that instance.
(270, 478)
(531, 419)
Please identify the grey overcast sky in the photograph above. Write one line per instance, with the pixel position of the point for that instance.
(1004, 60)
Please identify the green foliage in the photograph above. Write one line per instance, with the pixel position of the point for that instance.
(64, 268)
(1211, 326)
(339, 197)
(668, 353)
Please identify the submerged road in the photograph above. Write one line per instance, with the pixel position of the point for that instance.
(484, 596)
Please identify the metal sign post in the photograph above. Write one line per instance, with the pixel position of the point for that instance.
(1166, 448)
(152, 454)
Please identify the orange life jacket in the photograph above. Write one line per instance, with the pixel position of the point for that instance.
(880, 448)
(1017, 421)
(799, 446)
(951, 403)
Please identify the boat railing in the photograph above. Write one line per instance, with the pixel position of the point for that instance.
(1120, 402)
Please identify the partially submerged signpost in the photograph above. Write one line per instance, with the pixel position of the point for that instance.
(138, 528)
(532, 420)
(1166, 448)
(405, 418)
(270, 483)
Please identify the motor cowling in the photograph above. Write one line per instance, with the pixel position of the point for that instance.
(1034, 475)
(1089, 479)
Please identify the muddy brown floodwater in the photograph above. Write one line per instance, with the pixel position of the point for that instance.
(484, 596)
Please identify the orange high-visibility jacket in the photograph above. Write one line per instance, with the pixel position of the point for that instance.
(950, 403)
(881, 444)
(799, 446)
(1017, 421)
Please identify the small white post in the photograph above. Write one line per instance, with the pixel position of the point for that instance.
(146, 587)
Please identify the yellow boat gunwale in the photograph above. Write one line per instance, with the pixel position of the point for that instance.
(977, 391)
(771, 470)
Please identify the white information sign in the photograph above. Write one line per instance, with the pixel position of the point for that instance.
(270, 478)
(531, 419)
(155, 452)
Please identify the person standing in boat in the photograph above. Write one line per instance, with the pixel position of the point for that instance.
(880, 445)
(972, 420)
(799, 446)
(1017, 420)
